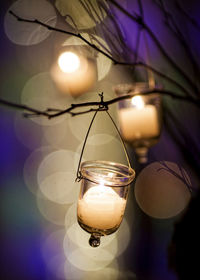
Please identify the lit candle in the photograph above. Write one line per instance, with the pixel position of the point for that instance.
(74, 74)
(139, 121)
(101, 208)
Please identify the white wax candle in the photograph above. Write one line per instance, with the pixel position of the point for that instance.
(101, 208)
(137, 123)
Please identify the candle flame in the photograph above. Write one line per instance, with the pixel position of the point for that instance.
(138, 102)
(68, 62)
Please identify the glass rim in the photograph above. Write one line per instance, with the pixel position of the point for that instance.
(107, 172)
(123, 89)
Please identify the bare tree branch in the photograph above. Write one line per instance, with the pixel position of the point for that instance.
(36, 21)
(24, 108)
(181, 178)
(178, 34)
(98, 105)
(103, 105)
(116, 62)
(140, 21)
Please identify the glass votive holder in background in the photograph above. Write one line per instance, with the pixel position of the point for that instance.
(140, 117)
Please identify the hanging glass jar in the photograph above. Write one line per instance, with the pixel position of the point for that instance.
(103, 197)
(104, 191)
(139, 117)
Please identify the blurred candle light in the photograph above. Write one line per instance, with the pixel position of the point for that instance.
(139, 118)
(102, 63)
(139, 121)
(74, 73)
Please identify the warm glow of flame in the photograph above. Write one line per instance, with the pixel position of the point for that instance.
(138, 102)
(68, 62)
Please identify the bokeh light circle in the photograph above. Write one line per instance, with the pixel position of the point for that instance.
(79, 14)
(106, 273)
(27, 34)
(56, 134)
(71, 216)
(123, 236)
(161, 190)
(60, 187)
(57, 161)
(89, 259)
(40, 93)
(111, 151)
(51, 211)
(31, 166)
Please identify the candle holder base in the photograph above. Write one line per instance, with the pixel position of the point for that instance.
(94, 240)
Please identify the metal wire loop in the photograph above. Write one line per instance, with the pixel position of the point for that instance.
(102, 107)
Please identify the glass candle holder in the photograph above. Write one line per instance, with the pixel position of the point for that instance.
(103, 197)
(139, 117)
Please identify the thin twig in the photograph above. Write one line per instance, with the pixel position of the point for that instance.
(170, 170)
(162, 75)
(72, 22)
(36, 21)
(139, 20)
(116, 62)
(23, 107)
(178, 35)
(103, 105)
